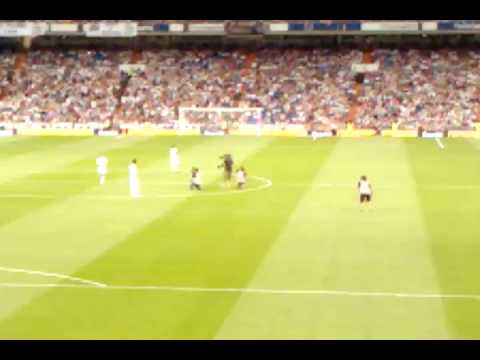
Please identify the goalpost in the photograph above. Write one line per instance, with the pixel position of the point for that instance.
(219, 120)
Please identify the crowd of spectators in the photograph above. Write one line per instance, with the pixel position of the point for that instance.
(7, 61)
(72, 87)
(432, 89)
(292, 86)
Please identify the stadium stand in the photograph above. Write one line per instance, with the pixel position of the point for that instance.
(64, 87)
(432, 89)
(297, 86)
(289, 86)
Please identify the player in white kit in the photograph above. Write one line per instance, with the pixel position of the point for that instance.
(241, 177)
(174, 159)
(133, 179)
(102, 163)
(365, 190)
(196, 180)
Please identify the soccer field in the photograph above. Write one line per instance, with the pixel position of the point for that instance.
(293, 256)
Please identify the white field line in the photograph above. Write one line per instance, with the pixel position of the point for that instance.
(52, 275)
(266, 184)
(94, 177)
(117, 171)
(248, 290)
(90, 284)
(439, 143)
(95, 181)
(399, 186)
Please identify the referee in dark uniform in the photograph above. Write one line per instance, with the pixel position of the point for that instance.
(227, 166)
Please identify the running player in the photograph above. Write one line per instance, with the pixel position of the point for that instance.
(174, 159)
(102, 170)
(241, 176)
(365, 190)
(133, 179)
(227, 166)
(196, 180)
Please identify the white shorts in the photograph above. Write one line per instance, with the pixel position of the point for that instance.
(134, 187)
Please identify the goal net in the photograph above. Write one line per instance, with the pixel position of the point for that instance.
(217, 120)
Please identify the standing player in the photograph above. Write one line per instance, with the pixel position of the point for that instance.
(174, 159)
(133, 179)
(227, 166)
(365, 190)
(102, 163)
(241, 176)
(196, 180)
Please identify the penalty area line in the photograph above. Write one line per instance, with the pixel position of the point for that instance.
(439, 143)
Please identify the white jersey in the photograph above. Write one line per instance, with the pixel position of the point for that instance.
(196, 179)
(364, 187)
(174, 159)
(133, 179)
(102, 163)
(132, 172)
(240, 177)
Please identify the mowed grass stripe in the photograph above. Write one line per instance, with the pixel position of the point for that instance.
(9, 139)
(50, 216)
(330, 244)
(21, 145)
(59, 155)
(452, 223)
(119, 153)
(67, 232)
(207, 242)
(86, 230)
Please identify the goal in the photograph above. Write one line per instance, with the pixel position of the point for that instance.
(218, 120)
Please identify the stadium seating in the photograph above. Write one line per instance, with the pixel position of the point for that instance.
(432, 89)
(70, 87)
(296, 86)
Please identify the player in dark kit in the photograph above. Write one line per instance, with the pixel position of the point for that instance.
(227, 166)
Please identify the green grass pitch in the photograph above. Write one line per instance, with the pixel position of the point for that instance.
(292, 257)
